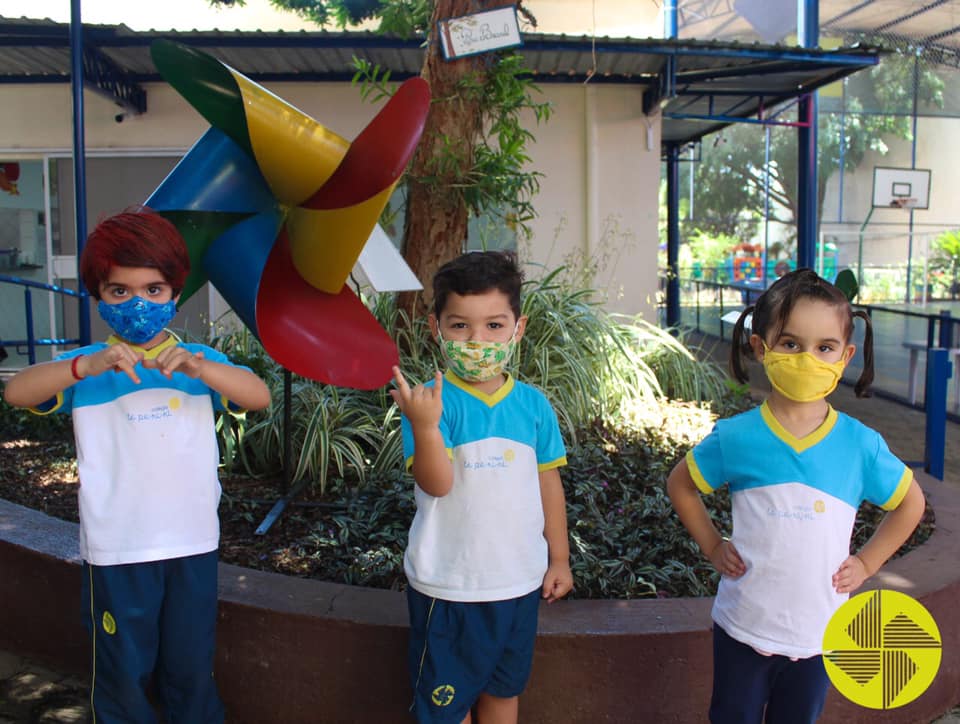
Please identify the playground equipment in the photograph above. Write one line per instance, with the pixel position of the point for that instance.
(276, 209)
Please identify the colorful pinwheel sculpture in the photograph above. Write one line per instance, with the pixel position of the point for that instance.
(276, 209)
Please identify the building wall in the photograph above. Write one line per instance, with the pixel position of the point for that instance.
(598, 196)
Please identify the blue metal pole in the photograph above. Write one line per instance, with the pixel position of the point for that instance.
(79, 156)
(671, 15)
(31, 342)
(935, 402)
(673, 236)
(808, 29)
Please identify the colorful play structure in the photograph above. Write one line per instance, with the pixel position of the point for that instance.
(276, 209)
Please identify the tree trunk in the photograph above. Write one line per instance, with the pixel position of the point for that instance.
(435, 229)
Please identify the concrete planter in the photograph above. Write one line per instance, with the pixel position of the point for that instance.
(293, 650)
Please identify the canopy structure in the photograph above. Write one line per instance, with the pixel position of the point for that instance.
(700, 86)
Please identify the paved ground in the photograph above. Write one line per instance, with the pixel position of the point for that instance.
(32, 693)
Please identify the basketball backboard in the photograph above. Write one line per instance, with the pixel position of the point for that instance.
(901, 188)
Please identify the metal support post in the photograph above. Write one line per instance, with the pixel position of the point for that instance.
(935, 400)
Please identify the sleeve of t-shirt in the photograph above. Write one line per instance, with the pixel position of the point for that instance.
(886, 478)
(220, 402)
(406, 433)
(63, 400)
(705, 462)
(550, 450)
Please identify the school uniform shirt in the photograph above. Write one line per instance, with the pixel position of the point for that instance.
(147, 458)
(484, 541)
(794, 502)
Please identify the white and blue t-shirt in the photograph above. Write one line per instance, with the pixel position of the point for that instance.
(794, 502)
(484, 541)
(147, 458)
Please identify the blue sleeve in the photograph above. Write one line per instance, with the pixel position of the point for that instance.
(886, 478)
(220, 403)
(63, 400)
(705, 462)
(551, 452)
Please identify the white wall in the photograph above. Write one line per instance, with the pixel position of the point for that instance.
(598, 196)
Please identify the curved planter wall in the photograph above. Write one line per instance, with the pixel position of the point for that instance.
(294, 650)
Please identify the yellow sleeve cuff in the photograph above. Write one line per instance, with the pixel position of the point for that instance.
(701, 482)
(900, 492)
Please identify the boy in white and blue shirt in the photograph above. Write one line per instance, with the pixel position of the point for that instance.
(489, 539)
(143, 409)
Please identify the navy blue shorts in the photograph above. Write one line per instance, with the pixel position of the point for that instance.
(154, 619)
(461, 650)
(749, 688)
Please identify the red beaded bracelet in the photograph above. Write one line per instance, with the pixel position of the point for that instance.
(73, 367)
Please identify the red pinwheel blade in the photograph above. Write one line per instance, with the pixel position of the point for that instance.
(331, 338)
(377, 157)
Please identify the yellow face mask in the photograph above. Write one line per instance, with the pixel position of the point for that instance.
(801, 377)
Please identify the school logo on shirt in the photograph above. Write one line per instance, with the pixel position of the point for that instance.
(882, 649)
(819, 506)
(109, 624)
(443, 695)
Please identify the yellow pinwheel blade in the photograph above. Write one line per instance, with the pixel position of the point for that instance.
(295, 153)
(325, 243)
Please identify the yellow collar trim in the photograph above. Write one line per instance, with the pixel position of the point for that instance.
(797, 443)
(172, 340)
(488, 400)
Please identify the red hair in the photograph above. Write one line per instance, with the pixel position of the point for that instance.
(134, 238)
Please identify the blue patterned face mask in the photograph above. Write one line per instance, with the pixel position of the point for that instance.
(137, 320)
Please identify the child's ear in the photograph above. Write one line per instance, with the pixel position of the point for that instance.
(521, 327)
(434, 326)
(848, 354)
(756, 344)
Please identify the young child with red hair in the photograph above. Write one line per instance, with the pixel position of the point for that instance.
(143, 406)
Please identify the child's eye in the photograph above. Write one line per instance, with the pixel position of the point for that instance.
(495, 325)
(154, 290)
(458, 325)
(789, 344)
(118, 291)
(826, 348)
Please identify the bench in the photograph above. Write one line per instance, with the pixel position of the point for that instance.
(913, 384)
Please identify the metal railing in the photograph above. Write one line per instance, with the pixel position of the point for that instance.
(31, 341)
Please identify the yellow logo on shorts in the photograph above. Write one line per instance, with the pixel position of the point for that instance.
(882, 649)
(109, 625)
(443, 695)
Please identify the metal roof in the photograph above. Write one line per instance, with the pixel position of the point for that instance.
(701, 86)
(932, 25)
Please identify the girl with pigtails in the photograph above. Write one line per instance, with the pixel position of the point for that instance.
(798, 471)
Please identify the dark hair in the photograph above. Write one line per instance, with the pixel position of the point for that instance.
(137, 237)
(772, 310)
(477, 272)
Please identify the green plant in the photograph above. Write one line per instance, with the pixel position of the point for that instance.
(946, 259)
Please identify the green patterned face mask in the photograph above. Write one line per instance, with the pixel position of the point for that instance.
(477, 361)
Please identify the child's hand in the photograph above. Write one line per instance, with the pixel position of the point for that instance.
(422, 405)
(726, 559)
(850, 575)
(176, 359)
(557, 582)
(118, 357)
